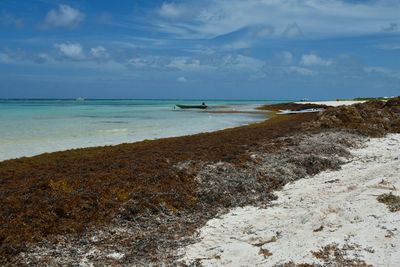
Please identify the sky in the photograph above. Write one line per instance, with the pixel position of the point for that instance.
(199, 49)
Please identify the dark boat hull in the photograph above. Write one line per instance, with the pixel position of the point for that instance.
(191, 106)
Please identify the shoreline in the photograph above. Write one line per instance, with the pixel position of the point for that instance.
(263, 115)
(256, 111)
(91, 204)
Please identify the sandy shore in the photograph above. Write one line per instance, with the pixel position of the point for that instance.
(332, 103)
(335, 210)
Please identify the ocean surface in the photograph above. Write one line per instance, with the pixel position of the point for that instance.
(31, 127)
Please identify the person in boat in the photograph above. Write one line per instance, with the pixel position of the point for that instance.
(203, 104)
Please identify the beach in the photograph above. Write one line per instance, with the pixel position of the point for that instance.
(200, 133)
(314, 218)
(336, 103)
(205, 198)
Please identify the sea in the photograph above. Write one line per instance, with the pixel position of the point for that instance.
(32, 127)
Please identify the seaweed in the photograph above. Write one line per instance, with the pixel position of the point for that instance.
(147, 195)
(373, 118)
(333, 255)
(71, 192)
(391, 201)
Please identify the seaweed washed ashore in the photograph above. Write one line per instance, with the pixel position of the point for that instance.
(138, 203)
(346, 217)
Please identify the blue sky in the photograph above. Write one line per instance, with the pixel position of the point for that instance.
(225, 49)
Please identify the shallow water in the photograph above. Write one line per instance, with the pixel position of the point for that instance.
(31, 127)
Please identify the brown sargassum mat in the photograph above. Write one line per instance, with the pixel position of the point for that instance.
(137, 203)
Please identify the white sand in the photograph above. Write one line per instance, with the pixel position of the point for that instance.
(333, 103)
(347, 210)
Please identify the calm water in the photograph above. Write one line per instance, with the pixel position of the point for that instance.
(31, 127)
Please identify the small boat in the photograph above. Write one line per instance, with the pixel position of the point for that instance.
(288, 111)
(202, 106)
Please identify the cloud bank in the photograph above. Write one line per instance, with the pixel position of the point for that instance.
(289, 18)
(64, 16)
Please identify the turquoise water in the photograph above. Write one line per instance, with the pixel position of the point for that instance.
(31, 127)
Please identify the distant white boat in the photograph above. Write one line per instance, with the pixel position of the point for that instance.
(288, 111)
(80, 99)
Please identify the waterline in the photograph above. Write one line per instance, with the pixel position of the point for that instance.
(32, 127)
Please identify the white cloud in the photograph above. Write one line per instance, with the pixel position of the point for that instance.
(265, 31)
(242, 62)
(314, 60)
(292, 30)
(181, 79)
(383, 71)
(169, 10)
(41, 58)
(99, 52)
(63, 16)
(392, 27)
(286, 71)
(249, 37)
(301, 71)
(212, 18)
(239, 44)
(389, 46)
(105, 18)
(71, 50)
(4, 58)
(185, 64)
(287, 57)
(62, 51)
(22, 57)
(203, 63)
(148, 62)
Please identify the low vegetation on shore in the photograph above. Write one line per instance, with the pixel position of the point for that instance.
(136, 203)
